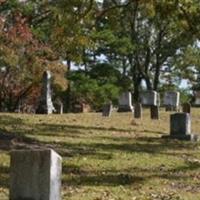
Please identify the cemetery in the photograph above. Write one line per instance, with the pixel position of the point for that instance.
(99, 100)
(117, 157)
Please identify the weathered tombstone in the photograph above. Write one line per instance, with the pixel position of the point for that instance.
(107, 110)
(180, 127)
(186, 107)
(125, 102)
(58, 106)
(138, 111)
(149, 98)
(35, 175)
(45, 102)
(154, 110)
(172, 101)
(197, 98)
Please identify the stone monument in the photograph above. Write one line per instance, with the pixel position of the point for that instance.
(125, 102)
(35, 175)
(186, 108)
(58, 104)
(138, 111)
(107, 110)
(149, 98)
(45, 102)
(172, 101)
(197, 98)
(154, 112)
(180, 127)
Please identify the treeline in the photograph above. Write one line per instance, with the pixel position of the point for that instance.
(116, 45)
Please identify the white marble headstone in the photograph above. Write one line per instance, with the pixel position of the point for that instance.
(149, 98)
(172, 99)
(125, 102)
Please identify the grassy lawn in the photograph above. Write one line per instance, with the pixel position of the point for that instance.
(115, 158)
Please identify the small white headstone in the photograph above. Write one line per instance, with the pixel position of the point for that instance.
(149, 98)
(172, 99)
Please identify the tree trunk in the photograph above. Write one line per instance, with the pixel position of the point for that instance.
(156, 78)
(68, 92)
(136, 96)
(148, 83)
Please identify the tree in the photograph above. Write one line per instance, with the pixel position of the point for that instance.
(23, 58)
(150, 33)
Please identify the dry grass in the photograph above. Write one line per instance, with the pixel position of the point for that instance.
(115, 158)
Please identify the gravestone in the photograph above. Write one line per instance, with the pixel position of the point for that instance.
(154, 111)
(186, 107)
(125, 102)
(197, 98)
(35, 175)
(58, 106)
(45, 103)
(138, 111)
(180, 127)
(107, 110)
(149, 98)
(172, 101)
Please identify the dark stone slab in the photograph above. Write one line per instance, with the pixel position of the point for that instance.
(138, 111)
(154, 110)
(107, 110)
(180, 127)
(186, 108)
(189, 137)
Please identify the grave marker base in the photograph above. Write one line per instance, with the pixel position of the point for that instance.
(125, 108)
(189, 137)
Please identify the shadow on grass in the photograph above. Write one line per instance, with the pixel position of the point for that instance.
(77, 176)
(4, 176)
(103, 179)
(10, 140)
(9, 120)
(78, 128)
(158, 146)
(156, 132)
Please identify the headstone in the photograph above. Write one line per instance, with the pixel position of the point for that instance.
(149, 98)
(197, 98)
(58, 106)
(138, 111)
(125, 102)
(107, 110)
(180, 127)
(171, 101)
(61, 108)
(186, 107)
(154, 110)
(35, 175)
(45, 102)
